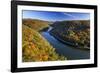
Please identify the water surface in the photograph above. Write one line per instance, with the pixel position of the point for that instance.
(66, 50)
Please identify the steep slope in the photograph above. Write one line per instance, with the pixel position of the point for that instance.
(36, 48)
(76, 32)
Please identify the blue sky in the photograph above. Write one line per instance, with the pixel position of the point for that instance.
(55, 16)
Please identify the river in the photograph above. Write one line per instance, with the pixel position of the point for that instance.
(70, 52)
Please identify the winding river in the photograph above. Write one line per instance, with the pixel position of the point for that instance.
(65, 50)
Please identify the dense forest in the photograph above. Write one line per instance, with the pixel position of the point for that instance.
(75, 33)
(34, 46)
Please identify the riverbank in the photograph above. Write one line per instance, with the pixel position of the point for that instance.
(69, 43)
(74, 33)
(68, 51)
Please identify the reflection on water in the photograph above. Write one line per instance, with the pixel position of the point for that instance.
(66, 50)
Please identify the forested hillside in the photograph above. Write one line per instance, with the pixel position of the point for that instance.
(76, 32)
(34, 46)
(35, 24)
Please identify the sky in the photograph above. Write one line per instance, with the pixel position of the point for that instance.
(54, 16)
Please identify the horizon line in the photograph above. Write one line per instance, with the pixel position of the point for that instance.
(57, 20)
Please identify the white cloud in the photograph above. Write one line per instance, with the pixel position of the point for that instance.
(70, 15)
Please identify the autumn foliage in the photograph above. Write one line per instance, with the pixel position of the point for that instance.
(75, 32)
(36, 48)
